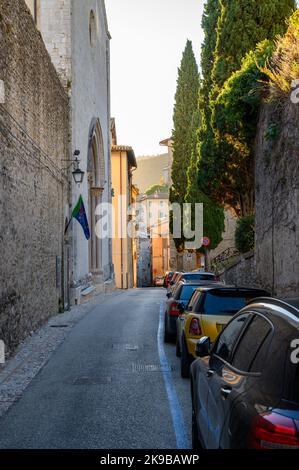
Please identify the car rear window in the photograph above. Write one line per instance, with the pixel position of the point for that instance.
(199, 277)
(227, 303)
(186, 292)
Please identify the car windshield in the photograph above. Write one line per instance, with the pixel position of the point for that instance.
(186, 292)
(198, 277)
(228, 303)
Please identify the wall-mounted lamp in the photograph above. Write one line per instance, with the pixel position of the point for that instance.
(78, 174)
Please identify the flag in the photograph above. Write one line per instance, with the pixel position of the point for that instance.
(80, 215)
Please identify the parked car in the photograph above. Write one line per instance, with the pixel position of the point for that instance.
(173, 281)
(177, 301)
(245, 388)
(167, 279)
(175, 305)
(197, 276)
(208, 312)
(159, 281)
(193, 277)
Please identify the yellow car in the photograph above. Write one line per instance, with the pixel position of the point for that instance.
(208, 312)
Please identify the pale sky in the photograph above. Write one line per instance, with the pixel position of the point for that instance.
(148, 39)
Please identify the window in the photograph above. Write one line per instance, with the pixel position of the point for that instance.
(193, 301)
(177, 292)
(186, 293)
(199, 277)
(226, 303)
(227, 339)
(250, 345)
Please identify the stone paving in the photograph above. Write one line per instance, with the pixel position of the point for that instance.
(36, 350)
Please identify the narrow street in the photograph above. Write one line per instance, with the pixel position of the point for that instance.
(109, 385)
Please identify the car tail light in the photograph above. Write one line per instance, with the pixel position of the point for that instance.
(273, 431)
(195, 329)
(174, 310)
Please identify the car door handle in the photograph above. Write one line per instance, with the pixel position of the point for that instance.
(210, 373)
(225, 392)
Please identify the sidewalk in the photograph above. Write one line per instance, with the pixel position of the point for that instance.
(31, 355)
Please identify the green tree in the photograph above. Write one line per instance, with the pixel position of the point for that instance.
(213, 214)
(186, 102)
(235, 118)
(209, 24)
(205, 136)
(241, 26)
(157, 188)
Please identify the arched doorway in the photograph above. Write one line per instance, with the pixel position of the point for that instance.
(96, 183)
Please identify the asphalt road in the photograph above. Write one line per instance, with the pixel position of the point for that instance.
(112, 384)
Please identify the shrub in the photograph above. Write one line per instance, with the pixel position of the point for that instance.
(283, 69)
(244, 236)
(157, 188)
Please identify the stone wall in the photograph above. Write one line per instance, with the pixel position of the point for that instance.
(275, 265)
(242, 273)
(277, 199)
(34, 141)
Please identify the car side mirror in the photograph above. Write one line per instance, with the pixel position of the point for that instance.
(203, 347)
(168, 295)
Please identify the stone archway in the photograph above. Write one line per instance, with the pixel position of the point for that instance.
(96, 184)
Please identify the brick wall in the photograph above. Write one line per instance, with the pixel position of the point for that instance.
(34, 141)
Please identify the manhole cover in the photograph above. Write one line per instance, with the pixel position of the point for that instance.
(60, 326)
(152, 368)
(125, 347)
(92, 380)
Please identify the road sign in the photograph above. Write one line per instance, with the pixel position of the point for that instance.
(206, 242)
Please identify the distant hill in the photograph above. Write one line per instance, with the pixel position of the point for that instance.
(150, 171)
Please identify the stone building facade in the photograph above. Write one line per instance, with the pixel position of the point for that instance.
(76, 36)
(34, 192)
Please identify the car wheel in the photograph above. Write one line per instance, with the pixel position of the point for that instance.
(196, 445)
(185, 361)
(167, 336)
(178, 348)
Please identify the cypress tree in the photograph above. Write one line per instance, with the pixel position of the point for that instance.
(213, 214)
(241, 26)
(205, 136)
(186, 102)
